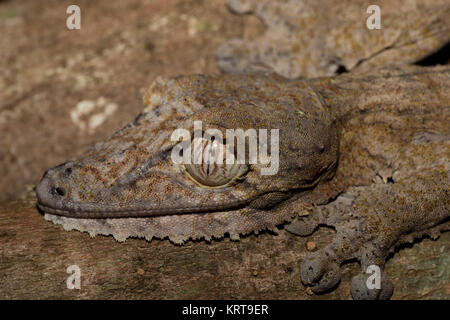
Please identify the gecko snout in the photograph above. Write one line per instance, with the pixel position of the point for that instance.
(50, 190)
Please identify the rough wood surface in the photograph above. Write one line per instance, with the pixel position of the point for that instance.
(34, 256)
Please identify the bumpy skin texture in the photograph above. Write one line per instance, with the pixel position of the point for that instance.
(366, 154)
(395, 152)
(131, 174)
(313, 38)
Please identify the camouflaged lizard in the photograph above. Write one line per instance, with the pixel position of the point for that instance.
(367, 154)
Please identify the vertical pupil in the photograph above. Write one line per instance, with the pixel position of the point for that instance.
(208, 161)
(210, 170)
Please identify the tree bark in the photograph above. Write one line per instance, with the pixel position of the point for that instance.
(35, 254)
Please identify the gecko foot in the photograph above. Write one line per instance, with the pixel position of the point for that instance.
(321, 269)
(369, 222)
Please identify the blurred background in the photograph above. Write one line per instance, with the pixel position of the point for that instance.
(61, 90)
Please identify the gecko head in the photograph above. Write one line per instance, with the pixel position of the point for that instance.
(284, 143)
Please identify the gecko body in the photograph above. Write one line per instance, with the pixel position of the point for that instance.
(367, 155)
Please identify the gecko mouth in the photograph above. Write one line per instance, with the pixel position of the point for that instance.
(88, 210)
(142, 209)
(54, 198)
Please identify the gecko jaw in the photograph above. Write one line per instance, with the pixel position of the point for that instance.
(114, 211)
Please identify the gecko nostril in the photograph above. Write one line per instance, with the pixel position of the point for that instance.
(60, 191)
(68, 171)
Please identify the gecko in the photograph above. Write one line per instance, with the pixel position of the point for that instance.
(302, 39)
(313, 38)
(366, 154)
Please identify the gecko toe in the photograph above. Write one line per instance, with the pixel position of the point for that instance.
(319, 272)
(302, 226)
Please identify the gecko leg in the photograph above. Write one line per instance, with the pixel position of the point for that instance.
(370, 221)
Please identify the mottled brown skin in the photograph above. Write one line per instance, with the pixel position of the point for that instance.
(394, 159)
(312, 38)
(367, 155)
(132, 175)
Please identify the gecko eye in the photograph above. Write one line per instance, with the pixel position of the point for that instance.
(208, 166)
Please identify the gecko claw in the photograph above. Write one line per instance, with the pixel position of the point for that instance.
(320, 273)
